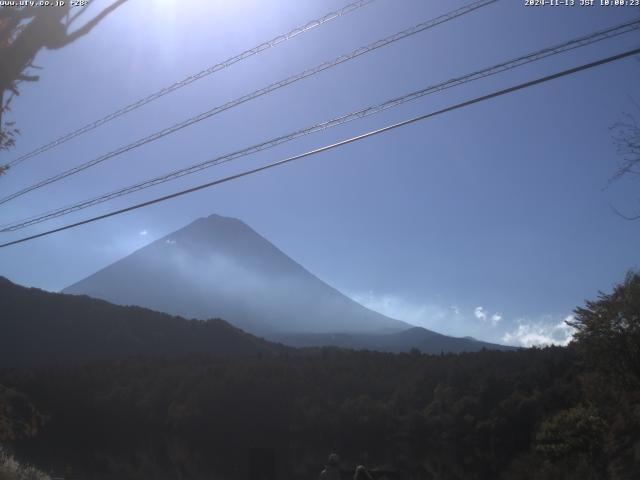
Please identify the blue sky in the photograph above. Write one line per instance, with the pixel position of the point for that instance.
(491, 221)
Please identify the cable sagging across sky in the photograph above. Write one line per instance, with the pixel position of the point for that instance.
(192, 78)
(572, 44)
(257, 93)
(357, 138)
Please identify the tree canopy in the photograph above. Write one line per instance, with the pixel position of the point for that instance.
(608, 330)
(24, 31)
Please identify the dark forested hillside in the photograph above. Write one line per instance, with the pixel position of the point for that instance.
(536, 414)
(452, 414)
(38, 326)
(18, 416)
(480, 415)
(42, 326)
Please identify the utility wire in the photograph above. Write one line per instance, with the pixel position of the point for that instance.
(357, 138)
(371, 110)
(192, 78)
(258, 93)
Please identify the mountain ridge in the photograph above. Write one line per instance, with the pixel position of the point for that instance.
(40, 326)
(220, 267)
(422, 339)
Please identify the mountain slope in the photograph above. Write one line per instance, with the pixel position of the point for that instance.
(38, 326)
(219, 267)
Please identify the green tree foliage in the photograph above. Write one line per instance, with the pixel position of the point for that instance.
(575, 431)
(608, 339)
(566, 413)
(18, 419)
(18, 416)
(608, 331)
(12, 469)
(460, 416)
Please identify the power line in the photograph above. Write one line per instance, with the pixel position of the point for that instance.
(192, 78)
(257, 93)
(371, 110)
(457, 106)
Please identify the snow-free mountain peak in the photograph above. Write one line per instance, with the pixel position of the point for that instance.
(220, 267)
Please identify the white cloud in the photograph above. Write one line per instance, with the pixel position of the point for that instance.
(443, 318)
(479, 322)
(142, 233)
(395, 307)
(480, 313)
(170, 241)
(429, 315)
(540, 333)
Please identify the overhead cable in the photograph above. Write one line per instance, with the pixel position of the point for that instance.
(365, 112)
(316, 151)
(192, 78)
(253, 95)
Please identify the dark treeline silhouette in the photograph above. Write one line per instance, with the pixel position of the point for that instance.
(553, 413)
(39, 326)
(476, 415)
(464, 416)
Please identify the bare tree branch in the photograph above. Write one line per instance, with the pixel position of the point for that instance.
(86, 28)
(622, 215)
(73, 19)
(626, 137)
(23, 33)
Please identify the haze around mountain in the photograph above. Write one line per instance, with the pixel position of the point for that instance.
(218, 267)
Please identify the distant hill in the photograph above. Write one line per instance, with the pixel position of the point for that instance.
(218, 267)
(419, 338)
(38, 326)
